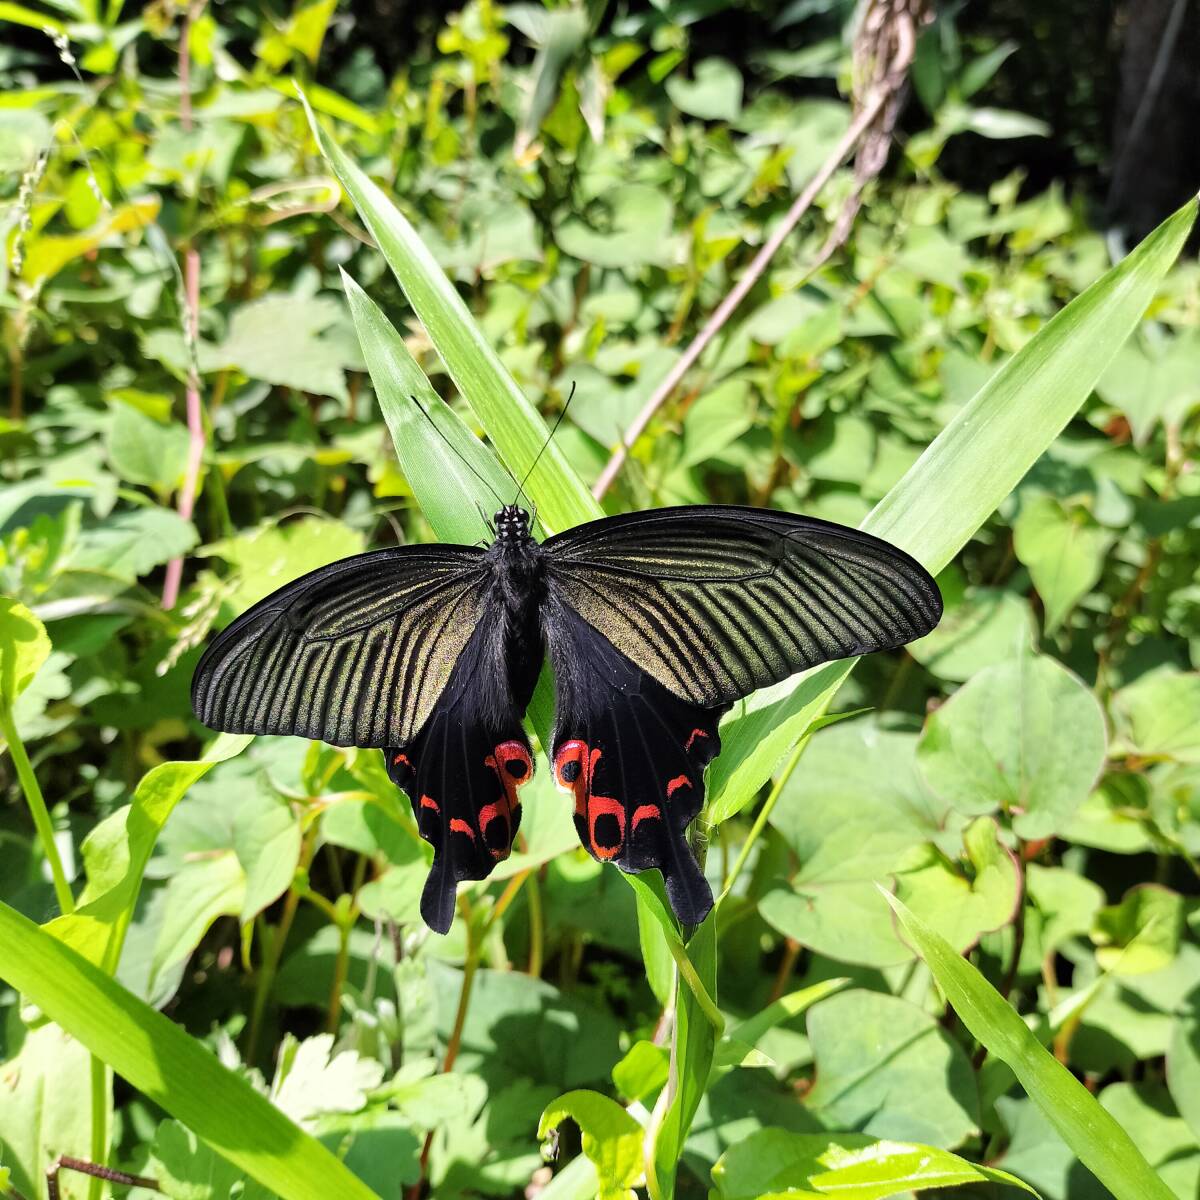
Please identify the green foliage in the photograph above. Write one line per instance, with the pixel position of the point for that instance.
(562, 196)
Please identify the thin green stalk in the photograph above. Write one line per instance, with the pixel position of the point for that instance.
(38, 810)
(97, 1074)
(764, 814)
(687, 972)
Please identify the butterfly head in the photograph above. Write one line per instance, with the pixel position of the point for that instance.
(512, 524)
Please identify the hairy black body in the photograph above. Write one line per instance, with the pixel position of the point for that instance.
(654, 622)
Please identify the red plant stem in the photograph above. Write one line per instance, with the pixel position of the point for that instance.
(191, 287)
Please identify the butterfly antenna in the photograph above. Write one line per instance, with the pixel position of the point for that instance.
(553, 431)
(462, 457)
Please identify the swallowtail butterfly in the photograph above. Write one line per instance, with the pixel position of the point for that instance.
(655, 623)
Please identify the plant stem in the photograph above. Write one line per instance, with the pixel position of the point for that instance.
(97, 1074)
(687, 972)
(764, 813)
(537, 926)
(37, 810)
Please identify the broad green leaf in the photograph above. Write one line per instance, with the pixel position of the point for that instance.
(285, 340)
(131, 544)
(1159, 716)
(1146, 1112)
(311, 1079)
(612, 1139)
(1099, 1141)
(185, 1168)
(1025, 737)
(172, 1069)
(1064, 549)
(24, 648)
(885, 1067)
(145, 450)
(1152, 384)
(513, 424)
(45, 1110)
(630, 226)
(1183, 1068)
(230, 849)
(775, 1163)
(272, 555)
(1142, 933)
(117, 850)
(714, 93)
(986, 627)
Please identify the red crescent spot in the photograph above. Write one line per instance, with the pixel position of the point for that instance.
(693, 736)
(501, 761)
(675, 784)
(645, 812)
(458, 825)
(599, 806)
(489, 813)
(402, 758)
(430, 802)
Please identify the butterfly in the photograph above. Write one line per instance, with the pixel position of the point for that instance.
(655, 623)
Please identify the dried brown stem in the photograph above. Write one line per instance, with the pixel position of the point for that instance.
(883, 50)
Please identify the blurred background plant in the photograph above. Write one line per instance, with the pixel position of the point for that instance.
(594, 178)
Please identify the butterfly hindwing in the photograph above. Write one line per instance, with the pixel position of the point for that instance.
(464, 770)
(632, 756)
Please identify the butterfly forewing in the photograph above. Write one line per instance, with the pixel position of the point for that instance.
(715, 602)
(355, 654)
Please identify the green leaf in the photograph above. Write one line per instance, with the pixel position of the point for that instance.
(1099, 1141)
(1159, 716)
(169, 1067)
(131, 544)
(145, 450)
(440, 457)
(561, 35)
(774, 1163)
(984, 628)
(45, 1110)
(1026, 737)
(1142, 933)
(24, 648)
(117, 850)
(629, 226)
(272, 555)
(1064, 549)
(692, 1050)
(612, 1139)
(230, 849)
(714, 93)
(185, 1168)
(514, 425)
(284, 340)
(311, 1079)
(885, 1067)
(1183, 1068)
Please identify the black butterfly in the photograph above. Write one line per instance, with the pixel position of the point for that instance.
(655, 623)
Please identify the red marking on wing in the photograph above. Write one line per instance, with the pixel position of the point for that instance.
(574, 768)
(693, 736)
(495, 812)
(402, 758)
(601, 806)
(430, 802)
(514, 769)
(646, 812)
(675, 784)
(458, 825)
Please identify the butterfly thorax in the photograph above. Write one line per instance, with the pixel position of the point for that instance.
(517, 560)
